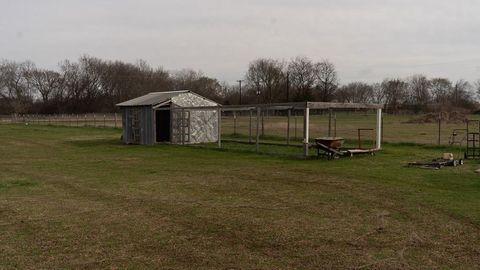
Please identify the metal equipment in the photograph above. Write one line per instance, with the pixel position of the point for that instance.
(332, 150)
(473, 139)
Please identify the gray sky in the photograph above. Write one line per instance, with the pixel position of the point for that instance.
(367, 40)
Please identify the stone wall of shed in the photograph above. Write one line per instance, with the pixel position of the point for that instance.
(203, 123)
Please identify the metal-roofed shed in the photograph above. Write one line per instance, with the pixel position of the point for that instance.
(176, 116)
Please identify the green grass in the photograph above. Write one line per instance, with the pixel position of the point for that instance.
(78, 198)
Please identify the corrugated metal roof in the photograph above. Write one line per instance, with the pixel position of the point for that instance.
(151, 99)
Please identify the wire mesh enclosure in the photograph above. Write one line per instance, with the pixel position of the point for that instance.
(291, 128)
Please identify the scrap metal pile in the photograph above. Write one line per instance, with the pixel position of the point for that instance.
(446, 161)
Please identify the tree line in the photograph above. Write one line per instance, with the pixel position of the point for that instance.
(94, 85)
(301, 79)
(90, 85)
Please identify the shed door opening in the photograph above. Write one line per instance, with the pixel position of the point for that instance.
(163, 125)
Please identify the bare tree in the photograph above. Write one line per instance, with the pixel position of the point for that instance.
(477, 87)
(267, 77)
(462, 94)
(14, 88)
(395, 91)
(419, 92)
(355, 92)
(197, 82)
(327, 80)
(46, 82)
(378, 95)
(441, 89)
(302, 77)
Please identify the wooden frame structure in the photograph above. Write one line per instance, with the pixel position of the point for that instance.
(289, 107)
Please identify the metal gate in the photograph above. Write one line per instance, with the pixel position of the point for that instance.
(180, 122)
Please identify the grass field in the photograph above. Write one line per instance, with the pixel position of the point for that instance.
(77, 198)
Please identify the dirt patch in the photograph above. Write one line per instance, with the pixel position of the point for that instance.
(446, 117)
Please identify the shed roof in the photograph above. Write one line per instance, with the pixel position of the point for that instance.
(151, 99)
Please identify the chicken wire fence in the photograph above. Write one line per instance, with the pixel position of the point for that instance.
(281, 131)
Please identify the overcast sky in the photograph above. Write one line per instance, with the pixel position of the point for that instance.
(367, 40)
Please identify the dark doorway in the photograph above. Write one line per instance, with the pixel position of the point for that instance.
(163, 126)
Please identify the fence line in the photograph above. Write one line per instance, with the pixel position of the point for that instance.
(103, 120)
(396, 128)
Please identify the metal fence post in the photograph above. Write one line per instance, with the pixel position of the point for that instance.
(258, 127)
(295, 118)
(250, 127)
(439, 127)
(288, 126)
(234, 123)
(263, 128)
(306, 126)
(329, 122)
(219, 131)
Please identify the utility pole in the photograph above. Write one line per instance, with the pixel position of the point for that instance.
(240, 87)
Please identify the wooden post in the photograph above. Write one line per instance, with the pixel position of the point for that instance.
(295, 118)
(104, 121)
(258, 127)
(263, 128)
(94, 120)
(329, 122)
(183, 125)
(306, 127)
(115, 119)
(359, 142)
(379, 128)
(219, 112)
(382, 123)
(85, 123)
(250, 127)
(234, 123)
(335, 125)
(439, 127)
(289, 112)
(77, 120)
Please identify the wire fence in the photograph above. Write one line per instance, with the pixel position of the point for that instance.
(103, 120)
(357, 127)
